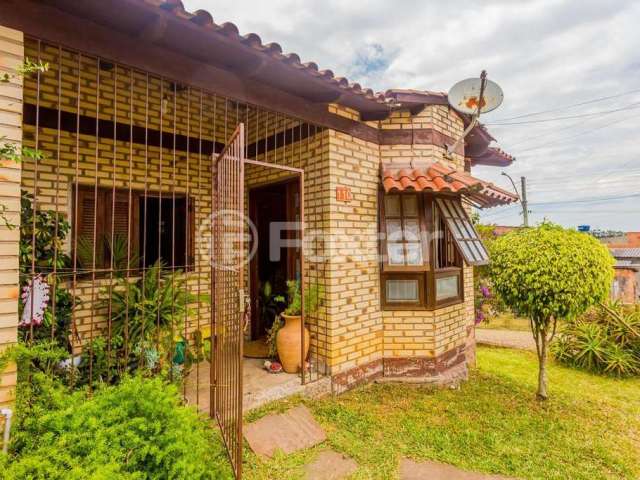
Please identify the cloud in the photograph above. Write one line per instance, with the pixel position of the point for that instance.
(546, 54)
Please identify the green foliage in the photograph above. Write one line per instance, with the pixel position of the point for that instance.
(147, 320)
(150, 307)
(49, 229)
(271, 306)
(312, 297)
(549, 271)
(116, 249)
(272, 336)
(606, 340)
(548, 274)
(135, 430)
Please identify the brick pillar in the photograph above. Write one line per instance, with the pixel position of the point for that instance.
(11, 56)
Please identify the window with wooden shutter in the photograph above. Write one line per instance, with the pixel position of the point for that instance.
(127, 237)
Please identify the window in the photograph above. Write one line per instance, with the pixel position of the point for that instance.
(424, 242)
(464, 235)
(132, 228)
(404, 230)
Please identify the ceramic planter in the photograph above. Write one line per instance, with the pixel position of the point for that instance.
(289, 342)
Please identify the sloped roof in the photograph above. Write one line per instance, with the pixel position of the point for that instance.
(626, 252)
(440, 178)
(167, 24)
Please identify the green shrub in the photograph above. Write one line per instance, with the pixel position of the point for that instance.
(547, 274)
(606, 340)
(135, 430)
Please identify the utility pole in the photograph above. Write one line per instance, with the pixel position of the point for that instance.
(523, 201)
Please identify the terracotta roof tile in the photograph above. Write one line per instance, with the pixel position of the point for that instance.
(437, 177)
(205, 20)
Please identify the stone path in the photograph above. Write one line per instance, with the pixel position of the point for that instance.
(296, 429)
(330, 465)
(505, 338)
(291, 431)
(410, 470)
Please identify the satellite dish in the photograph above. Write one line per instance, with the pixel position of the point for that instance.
(464, 96)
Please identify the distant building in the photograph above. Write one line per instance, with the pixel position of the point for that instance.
(622, 240)
(626, 284)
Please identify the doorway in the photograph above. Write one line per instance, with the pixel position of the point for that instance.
(274, 209)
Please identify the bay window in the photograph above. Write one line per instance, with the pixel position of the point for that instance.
(424, 241)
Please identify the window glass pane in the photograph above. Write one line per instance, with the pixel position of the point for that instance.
(395, 252)
(392, 205)
(412, 230)
(394, 230)
(410, 205)
(464, 234)
(414, 253)
(402, 291)
(447, 287)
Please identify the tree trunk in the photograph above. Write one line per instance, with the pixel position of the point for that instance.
(542, 364)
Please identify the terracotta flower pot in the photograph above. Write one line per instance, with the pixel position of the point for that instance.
(288, 343)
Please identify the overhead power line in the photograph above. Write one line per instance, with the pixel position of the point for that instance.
(631, 106)
(588, 200)
(571, 137)
(567, 107)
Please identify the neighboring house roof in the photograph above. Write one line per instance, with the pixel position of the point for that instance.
(627, 264)
(626, 253)
(627, 240)
(437, 177)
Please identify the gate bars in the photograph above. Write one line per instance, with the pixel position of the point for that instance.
(114, 212)
(228, 302)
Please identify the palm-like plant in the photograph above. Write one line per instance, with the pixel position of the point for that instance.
(151, 306)
(606, 339)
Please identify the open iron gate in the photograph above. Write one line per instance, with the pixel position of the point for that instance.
(228, 299)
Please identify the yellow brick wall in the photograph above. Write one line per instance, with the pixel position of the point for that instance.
(361, 332)
(426, 333)
(11, 57)
(310, 154)
(356, 329)
(71, 159)
(350, 330)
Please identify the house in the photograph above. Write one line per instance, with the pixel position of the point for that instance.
(626, 284)
(168, 137)
(622, 240)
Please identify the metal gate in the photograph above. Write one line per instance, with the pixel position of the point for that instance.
(228, 299)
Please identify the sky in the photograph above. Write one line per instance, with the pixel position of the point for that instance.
(570, 72)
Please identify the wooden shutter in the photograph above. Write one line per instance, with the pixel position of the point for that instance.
(121, 225)
(88, 224)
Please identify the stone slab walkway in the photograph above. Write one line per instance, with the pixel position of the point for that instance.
(330, 465)
(291, 431)
(505, 338)
(410, 470)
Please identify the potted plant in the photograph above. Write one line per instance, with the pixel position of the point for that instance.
(289, 337)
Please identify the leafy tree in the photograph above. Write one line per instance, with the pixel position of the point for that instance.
(548, 274)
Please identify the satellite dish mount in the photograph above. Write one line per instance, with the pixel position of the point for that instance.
(473, 96)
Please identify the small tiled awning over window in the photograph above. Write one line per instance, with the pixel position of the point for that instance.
(437, 177)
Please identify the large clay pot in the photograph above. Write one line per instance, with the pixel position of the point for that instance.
(288, 343)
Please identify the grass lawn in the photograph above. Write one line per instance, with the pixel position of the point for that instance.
(506, 321)
(589, 429)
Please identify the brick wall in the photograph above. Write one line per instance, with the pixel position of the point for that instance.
(367, 341)
(355, 336)
(71, 159)
(11, 56)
